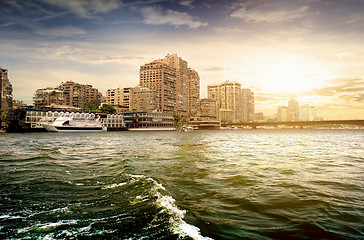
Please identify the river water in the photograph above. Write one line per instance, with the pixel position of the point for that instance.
(237, 184)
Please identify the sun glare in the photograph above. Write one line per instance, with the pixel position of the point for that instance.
(288, 78)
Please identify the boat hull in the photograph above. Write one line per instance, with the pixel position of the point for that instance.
(52, 128)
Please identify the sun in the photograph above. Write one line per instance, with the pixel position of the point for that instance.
(287, 77)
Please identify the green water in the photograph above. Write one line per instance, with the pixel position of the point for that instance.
(258, 184)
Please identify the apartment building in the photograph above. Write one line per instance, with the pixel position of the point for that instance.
(208, 109)
(76, 94)
(293, 108)
(143, 99)
(119, 97)
(6, 91)
(193, 92)
(248, 105)
(66, 94)
(48, 97)
(228, 96)
(161, 78)
(176, 85)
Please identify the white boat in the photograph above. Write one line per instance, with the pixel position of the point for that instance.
(76, 123)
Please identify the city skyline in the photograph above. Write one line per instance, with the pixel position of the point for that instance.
(309, 50)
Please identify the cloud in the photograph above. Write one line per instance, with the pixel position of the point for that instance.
(344, 88)
(263, 15)
(155, 16)
(187, 3)
(214, 69)
(62, 31)
(86, 8)
(115, 59)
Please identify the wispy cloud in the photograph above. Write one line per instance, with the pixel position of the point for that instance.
(61, 31)
(347, 89)
(86, 8)
(187, 3)
(263, 15)
(116, 59)
(156, 16)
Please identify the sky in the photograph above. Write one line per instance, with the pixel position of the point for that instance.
(310, 50)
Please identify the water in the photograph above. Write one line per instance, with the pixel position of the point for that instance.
(258, 184)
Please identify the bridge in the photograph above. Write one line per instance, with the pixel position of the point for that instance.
(300, 124)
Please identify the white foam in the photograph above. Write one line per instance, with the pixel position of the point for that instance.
(7, 216)
(115, 185)
(179, 226)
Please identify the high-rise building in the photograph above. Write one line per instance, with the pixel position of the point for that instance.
(308, 113)
(193, 92)
(69, 94)
(160, 78)
(282, 114)
(293, 110)
(181, 81)
(6, 91)
(229, 100)
(176, 85)
(248, 105)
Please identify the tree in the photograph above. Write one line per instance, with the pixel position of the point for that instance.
(92, 106)
(107, 109)
(3, 116)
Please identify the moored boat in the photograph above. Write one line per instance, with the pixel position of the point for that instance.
(70, 122)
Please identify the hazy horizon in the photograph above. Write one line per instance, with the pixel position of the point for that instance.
(310, 50)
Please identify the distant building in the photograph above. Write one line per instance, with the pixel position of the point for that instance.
(229, 98)
(293, 108)
(308, 113)
(119, 98)
(248, 105)
(282, 114)
(143, 99)
(48, 97)
(160, 78)
(176, 85)
(76, 94)
(69, 94)
(259, 116)
(193, 92)
(182, 72)
(6, 91)
(208, 109)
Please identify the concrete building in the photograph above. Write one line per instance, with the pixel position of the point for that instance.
(143, 99)
(76, 94)
(177, 86)
(182, 80)
(208, 109)
(228, 96)
(248, 105)
(6, 91)
(193, 92)
(293, 110)
(119, 98)
(159, 77)
(282, 114)
(308, 113)
(69, 94)
(47, 97)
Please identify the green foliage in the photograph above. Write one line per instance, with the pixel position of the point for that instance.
(92, 106)
(177, 118)
(3, 116)
(107, 109)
